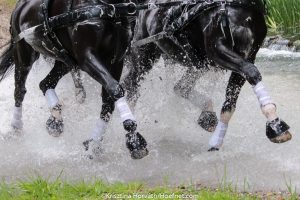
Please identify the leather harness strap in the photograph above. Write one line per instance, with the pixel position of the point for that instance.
(199, 8)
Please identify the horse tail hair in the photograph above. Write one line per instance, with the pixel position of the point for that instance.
(6, 62)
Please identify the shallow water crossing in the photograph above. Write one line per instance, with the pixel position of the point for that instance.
(177, 145)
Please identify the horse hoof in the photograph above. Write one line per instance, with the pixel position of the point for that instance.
(277, 131)
(137, 145)
(208, 120)
(286, 136)
(54, 126)
(80, 95)
(213, 149)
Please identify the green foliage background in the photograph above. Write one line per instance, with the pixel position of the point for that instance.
(284, 17)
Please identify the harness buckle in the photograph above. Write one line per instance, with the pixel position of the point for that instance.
(131, 7)
(112, 11)
(223, 7)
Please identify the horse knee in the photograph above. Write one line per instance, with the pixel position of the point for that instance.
(253, 76)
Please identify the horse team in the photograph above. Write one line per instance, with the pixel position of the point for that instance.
(95, 37)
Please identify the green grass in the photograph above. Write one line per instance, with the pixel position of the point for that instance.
(284, 17)
(39, 189)
(7, 3)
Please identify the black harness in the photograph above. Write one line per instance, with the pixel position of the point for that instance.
(103, 10)
(198, 8)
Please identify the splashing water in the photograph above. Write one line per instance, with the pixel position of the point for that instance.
(178, 146)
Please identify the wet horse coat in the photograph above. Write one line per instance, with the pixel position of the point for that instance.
(229, 34)
(95, 43)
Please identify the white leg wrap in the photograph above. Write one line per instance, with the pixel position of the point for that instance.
(17, 118)
(99, 130)
(51, 97)
(262, 94)
(124, 109)
(217, 138)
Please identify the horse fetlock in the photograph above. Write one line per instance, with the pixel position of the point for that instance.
(54, 126)
(130, 125)
(278, 131)
(56, 112)
(118, 92)
(226, 116)
(253, 76)
(137, 145)
(269, 111)
(208, 120)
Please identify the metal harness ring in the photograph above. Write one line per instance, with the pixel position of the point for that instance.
(113, 11)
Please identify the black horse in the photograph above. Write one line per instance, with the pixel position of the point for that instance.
(226, 34)
(90, 35)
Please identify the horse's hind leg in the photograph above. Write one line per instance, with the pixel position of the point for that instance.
(80, 93)
(54, 124)
(94, 143)
(24, 56)
(185, 88)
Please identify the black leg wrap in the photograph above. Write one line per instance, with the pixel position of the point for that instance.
(137, 145)
(129, 125)
(277, 131)
(208, 120)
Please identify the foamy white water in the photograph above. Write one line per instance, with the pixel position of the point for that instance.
(178, 146)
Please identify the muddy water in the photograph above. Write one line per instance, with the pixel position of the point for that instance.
(178, 146)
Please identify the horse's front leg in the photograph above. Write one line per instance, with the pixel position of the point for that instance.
(135, 142)
(185, 88)
(94, 143)
(277, 129)
(54, 124)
